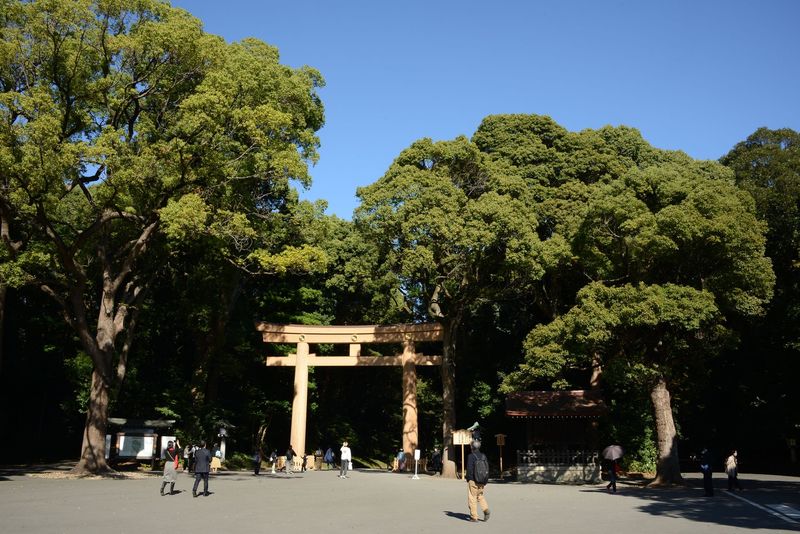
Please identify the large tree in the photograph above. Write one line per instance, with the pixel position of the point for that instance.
(450, 229)
(121, 122)
(667, 248)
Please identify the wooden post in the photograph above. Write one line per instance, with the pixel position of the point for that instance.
(410, 429)
(501, 440)
(297, 434)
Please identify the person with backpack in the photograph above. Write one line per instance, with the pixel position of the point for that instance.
(477, 478)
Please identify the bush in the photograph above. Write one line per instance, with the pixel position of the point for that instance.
(238, 461)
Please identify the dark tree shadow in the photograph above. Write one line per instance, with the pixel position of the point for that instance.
(689, 503)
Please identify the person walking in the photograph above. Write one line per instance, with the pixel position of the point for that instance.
(436, 461)
(732, 470)
(477, 477)
(192, 450)
(290, 454)
(216, 459)
(401, 461)
(171, 462)
(273, 459)
(345, 458)
(186, 457)
(706, 462)
(329, 458)
(612, 475)
(256, 461)
(202, 464)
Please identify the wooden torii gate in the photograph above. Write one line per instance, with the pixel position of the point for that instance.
(354, 336)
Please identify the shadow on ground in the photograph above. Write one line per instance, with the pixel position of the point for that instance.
(688, 502)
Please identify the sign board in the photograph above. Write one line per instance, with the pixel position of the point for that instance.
(136, 446)
(462, 437)
(501, 439)
(416, 454)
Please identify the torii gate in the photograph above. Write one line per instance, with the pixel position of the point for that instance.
(354, 336)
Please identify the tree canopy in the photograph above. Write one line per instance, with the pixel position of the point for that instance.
(124, 124)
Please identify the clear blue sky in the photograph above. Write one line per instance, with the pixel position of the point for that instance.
(696, 75)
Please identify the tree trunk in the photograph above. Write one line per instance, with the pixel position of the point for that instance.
(93, 459)
(668, 470)
(448, 373)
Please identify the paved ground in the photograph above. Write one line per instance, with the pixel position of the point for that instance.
(384, 503)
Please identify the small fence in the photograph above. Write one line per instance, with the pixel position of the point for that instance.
(558, 465)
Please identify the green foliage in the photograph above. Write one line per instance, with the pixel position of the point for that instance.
(481, 400)
(643, 453)
(238, 461)
(78, 371)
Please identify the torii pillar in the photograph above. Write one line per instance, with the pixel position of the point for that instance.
(354, 336)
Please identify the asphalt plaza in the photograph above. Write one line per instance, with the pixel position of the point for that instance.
(40, 500)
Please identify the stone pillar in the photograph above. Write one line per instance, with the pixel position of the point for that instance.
(297, 437)
(410, 428)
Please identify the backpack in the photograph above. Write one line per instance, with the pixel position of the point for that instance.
(481, 469)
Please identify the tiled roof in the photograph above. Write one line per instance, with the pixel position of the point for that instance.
(548, 404)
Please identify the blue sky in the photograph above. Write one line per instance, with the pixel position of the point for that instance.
(697, 76)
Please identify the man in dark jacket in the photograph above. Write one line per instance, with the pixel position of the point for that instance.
(475, 495)
(202, 464)
(706, 461)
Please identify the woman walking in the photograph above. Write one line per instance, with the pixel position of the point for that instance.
(171, 462)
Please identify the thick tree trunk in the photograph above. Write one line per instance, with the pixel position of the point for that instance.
(93, 459)
(668, 470)
(448, 373)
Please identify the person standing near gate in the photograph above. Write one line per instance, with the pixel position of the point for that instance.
(290, 454)
(329, 458)
(202, 464)
(346, 457)
(477, 477)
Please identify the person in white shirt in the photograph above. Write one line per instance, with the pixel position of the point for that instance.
(346, 457)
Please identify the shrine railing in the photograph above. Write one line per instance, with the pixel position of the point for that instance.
(557, 456)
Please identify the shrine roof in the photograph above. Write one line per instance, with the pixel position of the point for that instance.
(556, 404)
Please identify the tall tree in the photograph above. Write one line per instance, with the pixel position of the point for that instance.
(451, 230)
(668, 246)
(121, 122)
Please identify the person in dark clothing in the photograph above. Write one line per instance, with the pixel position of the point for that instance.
(329, 458)
(706, 462)
(256, 461)
(202, 464)
(475, 490)
(290, 454)
(436, 461)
